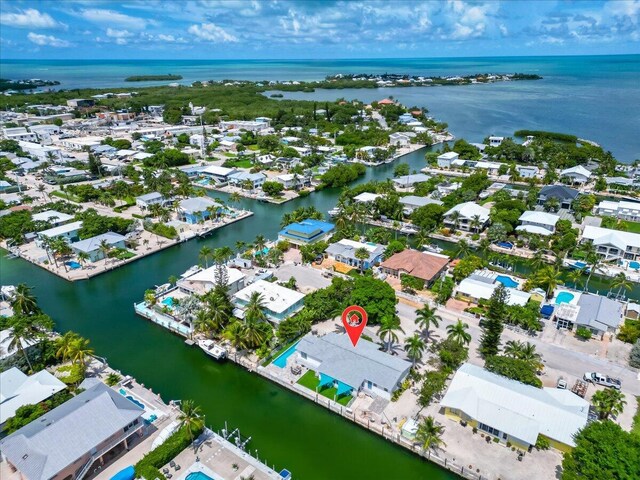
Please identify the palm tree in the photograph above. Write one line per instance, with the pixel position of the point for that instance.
(104, 248)
(537, 260)
(388, 327)
(422, 238)
(513, 348)
(454, 218)
(241, 246)
(425, 318)
(254, 311)
(64, 345)
(190, 417)
(80, 350)
(621, 282)
(429, 434)
(260, 243)
(24, 302)
(235, 333)
(83, 257)
(608, 402)
(361, 254)
(548, 277)
(475, 223)
(414, 346)
(234, 197)
(463, 249)
(458, 333)
(22, 332)
(484, 246)
(205, 254)
(255, 333)
(576, 277)
(528, 353)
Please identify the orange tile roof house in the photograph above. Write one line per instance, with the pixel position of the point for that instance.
(426, 266)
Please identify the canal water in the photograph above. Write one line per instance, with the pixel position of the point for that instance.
(287, 430)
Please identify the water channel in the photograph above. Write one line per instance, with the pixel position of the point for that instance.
(288, 430)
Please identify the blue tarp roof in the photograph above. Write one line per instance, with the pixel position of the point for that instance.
(343, 388)
(325, 380)
(128, 473)
(546, 310)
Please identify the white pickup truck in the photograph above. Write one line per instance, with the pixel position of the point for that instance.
(605, 380)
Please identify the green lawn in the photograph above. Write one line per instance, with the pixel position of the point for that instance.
(633, 227)
(310, 381)
(65, 196)
(240, 163)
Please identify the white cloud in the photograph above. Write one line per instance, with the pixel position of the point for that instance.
(111, 17)
(504, 31)
(118, 33)
(29, 18)
(47, 40)
(211, 32)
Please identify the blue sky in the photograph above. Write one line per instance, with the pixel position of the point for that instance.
(228, 29)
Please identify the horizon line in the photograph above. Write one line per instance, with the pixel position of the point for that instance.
(328, 59)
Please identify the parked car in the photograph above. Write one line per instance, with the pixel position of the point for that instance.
(601, 379)
(562, 384)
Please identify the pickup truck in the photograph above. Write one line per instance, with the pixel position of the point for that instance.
(601, 379)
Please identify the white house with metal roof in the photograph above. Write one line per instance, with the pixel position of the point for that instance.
(345, 251)
(613, 244)
(204, 281)
(406, 181)
(279, 302)
(577, 174)
(68, 231)
(597, 313)
(148, 199)
(66, 441)
(622, 210)
(464, 216)
(361, 368)
(412, 202)
(444, 160)
(18, 390)
(541, 223)
(52, 217)
(512, 411)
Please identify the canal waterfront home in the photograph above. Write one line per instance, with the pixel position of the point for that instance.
(468, 216)
(68, 231)
(481, 284)
(564, 195)
(52, 217)
(411, 202)
(541, 223)
(346, 251)
(577, 174)
(94, 247)
(445, 160)
(278, 302)
(66, 441)
(363, 368)
(153, 198)
(18, 390)
(244, 179)
(196, 209)
(512, 412)
(423, 265)
(306, 232)
(203, 281)
(218, 174)
(613, 244)
(407, 181)
(527, 171)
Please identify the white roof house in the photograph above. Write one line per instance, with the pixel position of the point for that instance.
(468, 212)
(578, 174)
(221, 173)
(51, 216)
(18, 389)
(541, 223)
(197, 204)
(366, 197)
(406, 181)
(66, 229)
(205, 280)
(613, 243)
(623, 210)
(520, 411)
(479, 290)
(93, 244)
(279, 302)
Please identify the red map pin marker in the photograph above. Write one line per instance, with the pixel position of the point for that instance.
(354, 319)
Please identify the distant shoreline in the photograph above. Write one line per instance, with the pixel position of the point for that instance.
(152, 78)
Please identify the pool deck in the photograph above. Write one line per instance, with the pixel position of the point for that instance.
(216, 457)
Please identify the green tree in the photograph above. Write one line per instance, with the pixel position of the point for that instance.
(254, 311)
(64, 345)
(23, 301)
(190, 417)
(429, 434)
(603, 451)
(361, 254)
(493, 326)
(458, 333)
(426, 317)
(414, 346)
(205, 254)
(387, 330)
(25, 330)
(548, 278)
(608, 402)
(376, 296)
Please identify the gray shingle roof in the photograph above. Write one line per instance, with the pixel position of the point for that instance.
(47, 445)
(354, 365)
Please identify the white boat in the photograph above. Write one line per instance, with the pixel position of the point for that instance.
(409, 230)
(334, 212)
(212, 349)
(432, 248)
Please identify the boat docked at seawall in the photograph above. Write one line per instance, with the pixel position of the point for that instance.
(430, 247)
(334, 212)
(212, 349)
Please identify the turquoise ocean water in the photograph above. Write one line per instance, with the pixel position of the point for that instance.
(594, 97)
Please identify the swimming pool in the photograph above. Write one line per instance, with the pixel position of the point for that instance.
(123, 392)
(507, 245)
(281, 361)
(198, 476)
(73, 265)
(634, 265)
(168, 301)
(507, 281)
(564, 297)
